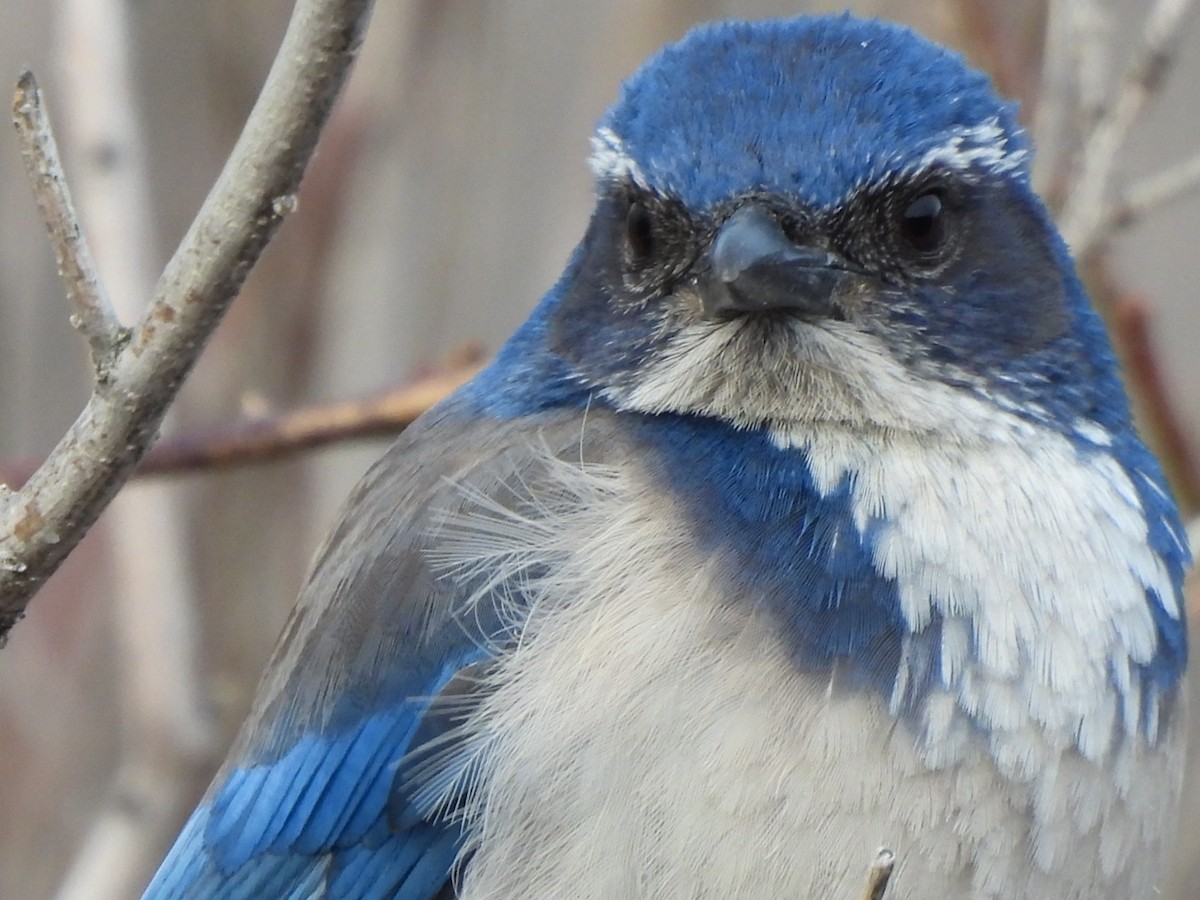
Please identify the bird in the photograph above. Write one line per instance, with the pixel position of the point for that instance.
(804, 516)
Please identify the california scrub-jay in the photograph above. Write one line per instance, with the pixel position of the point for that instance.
(803, 516)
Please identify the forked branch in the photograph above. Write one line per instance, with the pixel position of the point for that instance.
(91, 311)
(41, 523)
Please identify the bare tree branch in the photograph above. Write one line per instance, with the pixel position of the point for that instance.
(267, 438)
(1148, 195)
(1075, 63)
(1072, 110)
(1083, 212)
(92, 313)
(275, 437)
(1088, 47)
(42, 522)
(167, 737)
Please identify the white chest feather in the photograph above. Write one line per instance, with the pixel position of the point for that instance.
(650, 737)
(1037, 564)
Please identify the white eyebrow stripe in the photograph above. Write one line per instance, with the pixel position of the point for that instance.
(611, 161)
(985, 144)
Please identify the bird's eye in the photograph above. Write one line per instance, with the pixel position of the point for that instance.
(639, 233)
(922, 224)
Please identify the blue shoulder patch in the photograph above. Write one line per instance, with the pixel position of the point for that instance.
(797, 551)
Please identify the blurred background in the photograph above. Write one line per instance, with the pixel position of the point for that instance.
(443, 201)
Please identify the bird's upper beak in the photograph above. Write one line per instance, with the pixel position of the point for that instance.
(756, 268)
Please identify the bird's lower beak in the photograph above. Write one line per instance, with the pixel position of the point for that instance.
(756, 268)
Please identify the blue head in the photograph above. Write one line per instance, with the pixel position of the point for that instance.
(820, 219)
(823, 230)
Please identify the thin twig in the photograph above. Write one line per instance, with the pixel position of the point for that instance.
(1055, 98)
(1075, 64)
(879, 874)
(41, 524)
(308, 428)
(92, 313)
(1083, 211)
(1091, 51)
(269, 438)
(1148, 195)
(1088, 218)
(168, 741)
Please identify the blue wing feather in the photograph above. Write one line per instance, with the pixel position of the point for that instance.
(345, 781)
(407, 866)
(325, 792)
(315, 820)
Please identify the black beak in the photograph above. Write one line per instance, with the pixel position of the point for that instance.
(756, 268)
